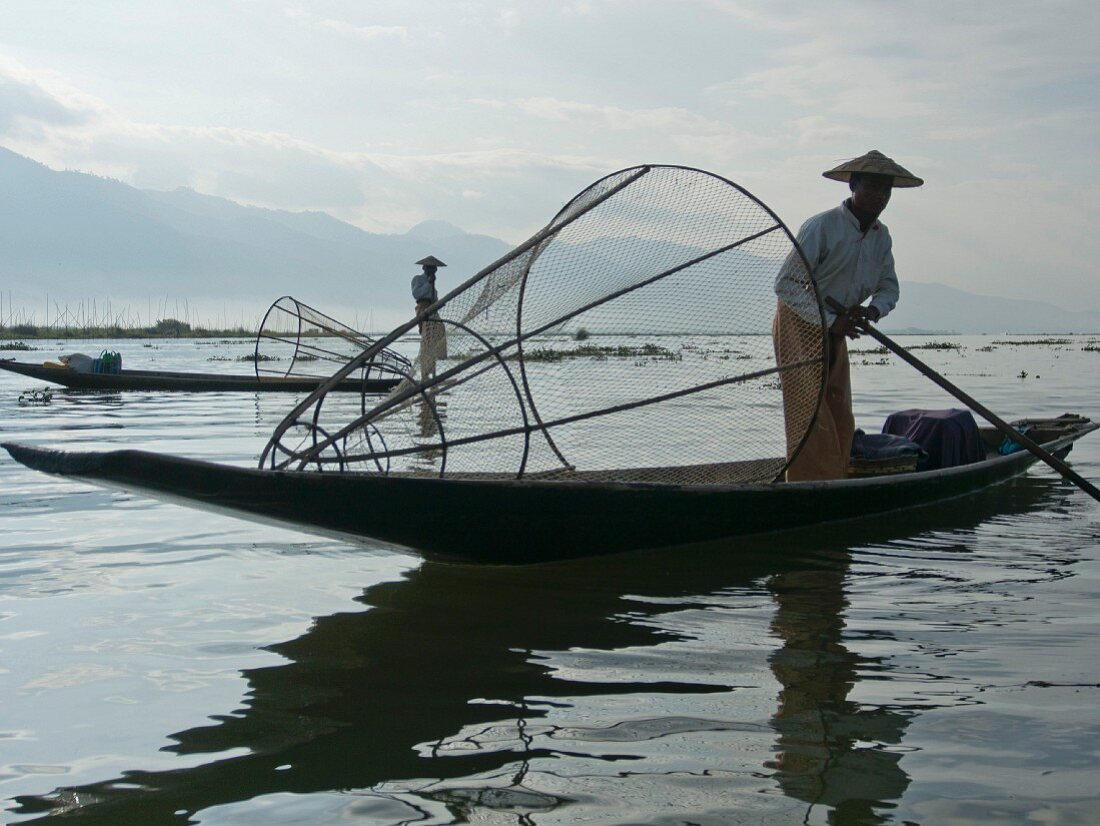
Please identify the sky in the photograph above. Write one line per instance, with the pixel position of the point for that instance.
(491, 115)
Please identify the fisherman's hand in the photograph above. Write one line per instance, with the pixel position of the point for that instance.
(863, 317)
(845, 325)
(852, 321)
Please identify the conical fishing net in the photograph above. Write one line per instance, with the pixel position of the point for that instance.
(296, 340)
(628, 341)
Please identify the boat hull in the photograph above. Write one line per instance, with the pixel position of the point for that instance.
(521, 521)
(186, 382)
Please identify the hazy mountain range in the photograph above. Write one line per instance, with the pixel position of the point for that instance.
(937, 307)
(79, 236)
(76, 236)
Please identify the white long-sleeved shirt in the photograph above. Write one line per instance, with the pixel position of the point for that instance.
(423, 289)
(847, 264)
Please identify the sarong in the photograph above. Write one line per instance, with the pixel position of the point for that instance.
(433, 344)
(422, 305)
(828, 445)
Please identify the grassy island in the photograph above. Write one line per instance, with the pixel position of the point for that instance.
(165, 328)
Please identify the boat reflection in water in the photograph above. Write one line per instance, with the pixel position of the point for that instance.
(553, 693)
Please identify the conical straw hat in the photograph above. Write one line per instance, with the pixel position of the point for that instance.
(431, 261)
(874, 162)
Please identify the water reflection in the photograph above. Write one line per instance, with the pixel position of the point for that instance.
(437, 702)
(427, 424)
(829, 750)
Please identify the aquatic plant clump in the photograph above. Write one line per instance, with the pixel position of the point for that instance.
(1036, 342)
(936, 345)
(530, 370)
(652, 351)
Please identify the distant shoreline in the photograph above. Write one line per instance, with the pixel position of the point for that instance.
(166, 328)
(11, 336)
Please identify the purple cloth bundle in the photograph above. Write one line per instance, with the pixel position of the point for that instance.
(949, 437)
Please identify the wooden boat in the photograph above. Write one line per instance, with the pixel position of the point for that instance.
(543, 449)
(489, 518)
(188, 382)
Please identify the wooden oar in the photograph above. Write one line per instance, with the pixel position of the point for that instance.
(988, 415)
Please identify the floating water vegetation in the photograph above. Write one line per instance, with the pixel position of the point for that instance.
(936, 345)
(593, 351)
(882, 351)
(249, 357)
(1035, 342)
(36, 396)
(16, 345)
(722, 354)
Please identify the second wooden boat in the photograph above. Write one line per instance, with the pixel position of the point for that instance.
(161, 380)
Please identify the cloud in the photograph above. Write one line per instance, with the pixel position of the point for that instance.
(819, 76)
(493, 189)
(365, 32)
(30, 101)
(912, 60)
(814, 130)
(347, 29)
(681, 129)
(518, 106)
(963, 133)
(777, 14)
(610, 117)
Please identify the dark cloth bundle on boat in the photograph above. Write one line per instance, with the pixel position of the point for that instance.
(875, 454)
(872, 446)
(949, 437)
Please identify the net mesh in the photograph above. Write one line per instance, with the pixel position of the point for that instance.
(298, 341)
(631, 340)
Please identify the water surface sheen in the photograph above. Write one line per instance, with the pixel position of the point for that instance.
(165, 665)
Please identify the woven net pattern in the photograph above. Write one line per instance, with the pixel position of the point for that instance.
(631, 340)
(296, 340)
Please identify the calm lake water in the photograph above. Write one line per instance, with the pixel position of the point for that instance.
(166, 665)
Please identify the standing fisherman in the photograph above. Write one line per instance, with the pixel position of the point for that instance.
(851, 259)
(423, 286)
(433, 338)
